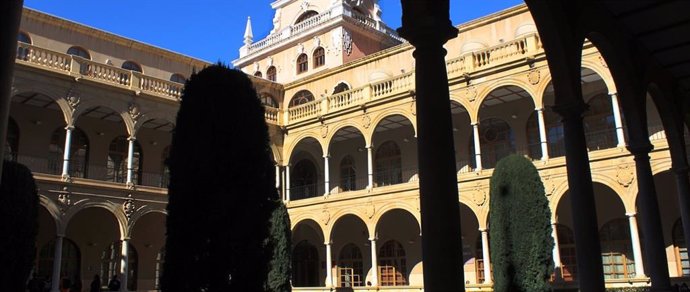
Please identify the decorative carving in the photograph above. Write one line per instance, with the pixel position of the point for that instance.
(347, 42)
(304, 5)
(534, 76)
(370, 210)
(471, 93)
(317, 42)
(134, 111)
(625, 174)
(64, 198)
(603, 62)
(366, 121)
(325, 217)
(413, 108)
(73, 100)
(479, 195)
(128, 206)
(324, 131)
(549, 184)
(270, 61)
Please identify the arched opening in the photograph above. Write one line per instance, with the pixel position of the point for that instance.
(341, 87)
(148, 238)
(179, 78)
(105, 124)
(350, 238)
(79, 152)
(271, 73)
(306, 15)
(350, 267)
(473, 260)
(616, 249)
(116, 168)
(306, 180)
(157, 132)
(70, 265)
(79, 52)
(258, 74)
(319, 57)
(566, 248)
(132, 66)
(12, 140)
(301, 97)
(24, 37)
(598, 120)
(669, 210)
(496, 140)
(395, 151)
(268, 100)
(462, 130)
(308, 269)
(400, 253)
(553, 125)
(348, 153)
(302, 63)
(111, 259)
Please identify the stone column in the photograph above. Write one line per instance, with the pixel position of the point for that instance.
(585, 228)
(683, 187)
(329, 266)
(486, 255)
(57, 265)
(277, 177)
(426, 24)
(542, 135)
(66, 152)
(558, 265)
(326, 176)
(124, 262)
(637, 250)
(130, 161)
(370, 166)
(287, 183)
(648, 206)
(477, 147)
(617, 120)
(374, 263)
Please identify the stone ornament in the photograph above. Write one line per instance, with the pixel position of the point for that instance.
(370, 210)
(65, 200)
(324, 131)
(134, 111)
(347, 42)
(479, 195)
(413, 108)
(128, 206)
(317, 42)
(534, 76)
(325, 217)
(470, 93)
(603, 62)
(304, 5)
(625, 174)
(366, 121)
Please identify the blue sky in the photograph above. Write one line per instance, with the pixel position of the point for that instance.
(210, 29)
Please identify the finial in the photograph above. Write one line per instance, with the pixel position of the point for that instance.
(248, 35)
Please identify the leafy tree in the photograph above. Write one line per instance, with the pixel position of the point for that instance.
(519, 227)
(18, 225)
(221, 192)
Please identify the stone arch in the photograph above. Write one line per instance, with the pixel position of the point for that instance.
(562, 188)
(463, 102)
(62, 103)
(311, 7)
(604, 73)
(290, 147)
(151, 116)
(54, 212)
(483, 94)
(340, 214)
(111, 207)
(341, 81)
(122, 113)
(342, 125)
(385, 208)
(143, 212)
(376, 120)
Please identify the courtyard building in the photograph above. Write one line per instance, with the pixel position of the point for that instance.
(92, 115)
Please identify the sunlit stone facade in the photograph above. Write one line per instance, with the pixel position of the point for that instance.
(338, 86)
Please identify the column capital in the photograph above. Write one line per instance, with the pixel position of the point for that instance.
(69, 127)
(571, 110)
(642, 149)
(373, 238)
(483, 229)
(327, 242)
(474, 124)
(426, 23)
(612, 94)
(630, 214)
(539, 109)
(327, 156)
(132, 138)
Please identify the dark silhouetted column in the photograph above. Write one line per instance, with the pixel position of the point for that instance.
(427, 26)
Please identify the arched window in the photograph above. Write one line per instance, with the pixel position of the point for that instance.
(306, 15)
(600, 128)
(681, 249)
(117, 161)
(160, 261)
(132, 66)
(110, 263)
(79, 51)
(392, 264)
(305, 265)
(301, 97)
(302, 63)
(319, 57)
(165, 170)
(79, 152)
(616, 250)
(303, 176)
(566, 247)
(267, 100)
(496, 141)
(12, 141)
(271, 73)
(70, 264)
(24, 37)
(258, 74)
(179, 78)
(388, 164)
(348, 175)
(350, 267)
(341, 87)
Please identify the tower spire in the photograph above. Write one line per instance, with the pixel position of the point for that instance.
(248, 35)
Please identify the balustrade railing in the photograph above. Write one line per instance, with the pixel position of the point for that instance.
(455, 66)
(502, 52)
(159, 86)
(271, 114)
(310, 22)
(303, 111)
(43, 57)
(345, 98)
(104, 73)
(398, 84)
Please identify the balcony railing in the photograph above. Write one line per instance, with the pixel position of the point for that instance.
(102, 73)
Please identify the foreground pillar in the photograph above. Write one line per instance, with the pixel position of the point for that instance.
(584, 215)
(427, 26)
(329, 266)
(558, 265)
(124, 262)
(130, 161)
(542, 135)
(477, 147)
(66, 152)
(637, 249)
(618, 121)
(57, 265)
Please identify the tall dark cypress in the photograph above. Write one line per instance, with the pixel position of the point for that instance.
(280, 266)
(18, 225)
(222, 188)
(519, 228)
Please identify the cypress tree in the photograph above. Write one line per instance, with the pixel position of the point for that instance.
(18, 225)
(222, 188)
(519, 227)
(280, 267)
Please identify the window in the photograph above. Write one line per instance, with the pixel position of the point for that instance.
(71, 260)
(12, 142)
(350, 267)
(392, 264)
(301, 97)
(600, 128)
(341, 87)
(271, 73)
(533, 137)
(24, 37)
(348, 176)
(681, 249)
(79, 51)
(117, 161)
(110, 264)
(306, 15)
(129, 65)
(302, 63)
(79, 152)
(305, 265)
(319, 57)
(258, 74)
(303, 180)
(267, 100)
(388, 164)
(179, 78)
(566, 247)
(616, 250)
